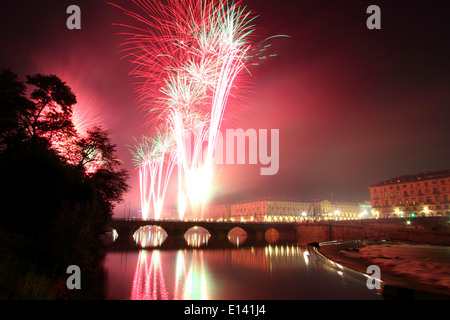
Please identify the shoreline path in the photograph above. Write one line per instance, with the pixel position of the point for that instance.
(394, 284)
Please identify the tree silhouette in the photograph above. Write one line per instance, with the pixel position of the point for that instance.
(44, 121)
(57, 189)
(52, 107)
(13, 104)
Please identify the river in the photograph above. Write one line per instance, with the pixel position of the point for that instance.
(269, 272)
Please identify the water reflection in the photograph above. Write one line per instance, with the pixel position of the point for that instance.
(270, 272)
(197, 237)
(237, 236)
(149, 236)
(109, 236)
(148, 281)
(189, 277)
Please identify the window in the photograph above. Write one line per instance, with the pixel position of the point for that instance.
(442, 182)
(413, 191)
(399, 193)
(427, 190)
(426, 184)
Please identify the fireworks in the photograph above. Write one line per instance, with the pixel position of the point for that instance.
(155, 159)
(187, 55)
(86, 115)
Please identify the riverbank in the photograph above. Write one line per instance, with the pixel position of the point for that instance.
(422, 275)
(35, 268)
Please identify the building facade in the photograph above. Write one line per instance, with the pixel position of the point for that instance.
(288, 211)
(218, 212)
(270, 210)
(423, 194)
(335, 210)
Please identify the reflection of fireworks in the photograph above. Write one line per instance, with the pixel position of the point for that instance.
(188, 54)
(149, 282)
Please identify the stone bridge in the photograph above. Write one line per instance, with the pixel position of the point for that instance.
(433, 230)
(256, 231)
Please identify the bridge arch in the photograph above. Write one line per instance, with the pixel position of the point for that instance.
(256, 232)
(197, 236)
(237, 235)
(149, 236)
(272, 235)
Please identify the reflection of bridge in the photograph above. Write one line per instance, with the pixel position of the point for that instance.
(256, 231)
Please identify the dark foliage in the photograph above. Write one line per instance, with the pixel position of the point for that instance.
(53, 211)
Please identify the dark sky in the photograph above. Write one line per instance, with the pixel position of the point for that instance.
(353, 106)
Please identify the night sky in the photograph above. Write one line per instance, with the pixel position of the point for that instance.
(354, 106)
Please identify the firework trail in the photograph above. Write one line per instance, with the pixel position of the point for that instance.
(85, 116)
(154, 157)
(187, 55)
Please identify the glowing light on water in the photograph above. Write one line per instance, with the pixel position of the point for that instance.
(149, 282)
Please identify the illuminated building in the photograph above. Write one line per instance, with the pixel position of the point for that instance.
(423, 194)
(219, 211)
(289, 211)
(270, 210)
(337, 210)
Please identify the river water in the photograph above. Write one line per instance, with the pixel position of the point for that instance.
(271, 272)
